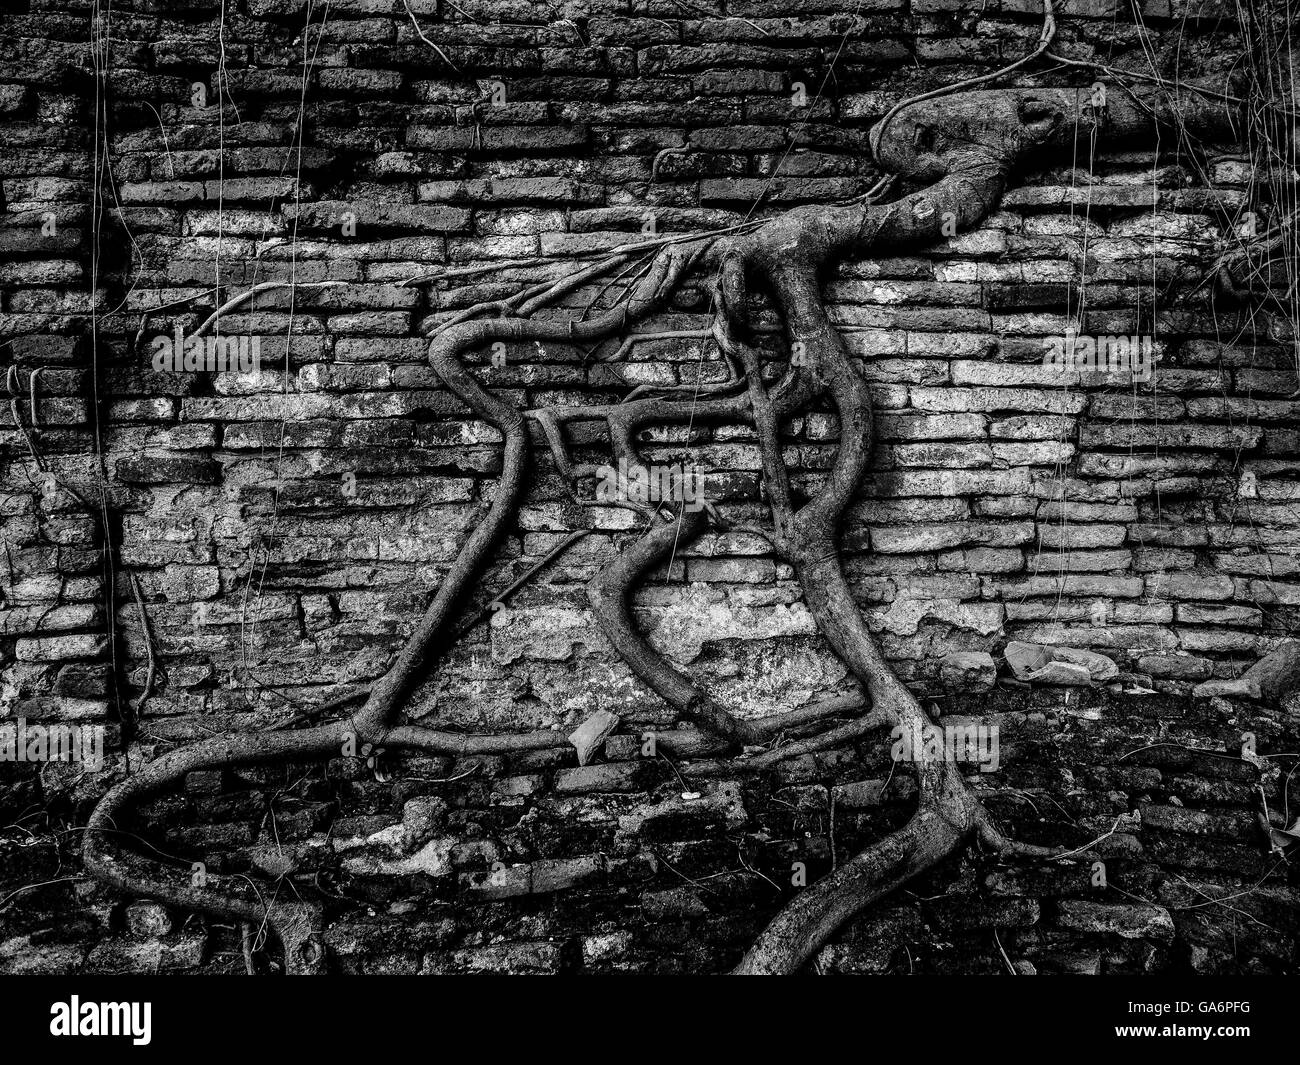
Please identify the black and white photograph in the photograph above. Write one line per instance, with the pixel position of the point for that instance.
(649, 488)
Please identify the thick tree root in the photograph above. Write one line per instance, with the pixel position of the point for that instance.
(812, 917)
(967, 145)
(962, 149)
(608, 593)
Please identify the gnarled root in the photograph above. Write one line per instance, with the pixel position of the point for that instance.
(966, 146)
(813, 916)
(961, 148)
(298, 924)
(608, 592)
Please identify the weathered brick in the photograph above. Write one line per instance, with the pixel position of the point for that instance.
(1126, 920)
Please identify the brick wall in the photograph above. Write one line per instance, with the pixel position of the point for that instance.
(281, 531)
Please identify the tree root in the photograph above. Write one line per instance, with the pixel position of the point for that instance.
(607, 594)
(813, 916)
(961, 148)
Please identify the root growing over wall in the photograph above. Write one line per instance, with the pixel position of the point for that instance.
(959, 150)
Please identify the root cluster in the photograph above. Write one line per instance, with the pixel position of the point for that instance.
(958, 151)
